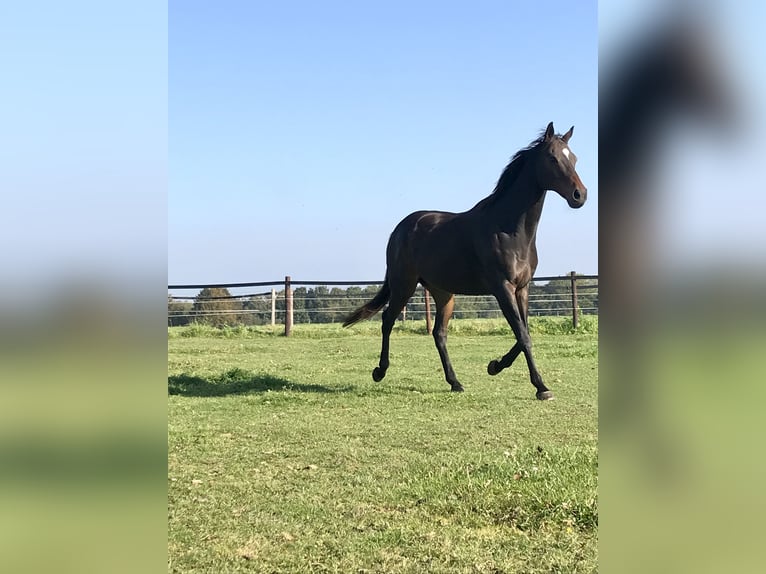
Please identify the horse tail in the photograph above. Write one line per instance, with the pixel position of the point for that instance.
(369, 309)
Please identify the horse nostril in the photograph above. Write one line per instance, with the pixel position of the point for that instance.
(577, 195)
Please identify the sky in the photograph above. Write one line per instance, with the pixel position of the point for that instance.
(301, 133)
(84, 149)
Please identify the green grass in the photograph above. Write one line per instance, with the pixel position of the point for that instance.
(588, 324)
(285, 456)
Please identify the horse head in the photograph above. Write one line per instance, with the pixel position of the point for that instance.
(555, 167)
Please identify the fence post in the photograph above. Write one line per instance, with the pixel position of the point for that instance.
(428, 312)
(273, 307)
(288, 307)
(573, 279)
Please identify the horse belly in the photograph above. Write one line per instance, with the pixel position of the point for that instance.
(456, 273)
(442, 249)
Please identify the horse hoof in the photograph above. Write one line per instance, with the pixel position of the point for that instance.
(493, 367)
(545, 396)
(378, 374)
(457, 388)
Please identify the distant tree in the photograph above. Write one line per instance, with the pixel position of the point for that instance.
(318, 305)
(179, 312)
(340, 307)
(300, 296)
(587, 296)
(260, 307)
(209, 308)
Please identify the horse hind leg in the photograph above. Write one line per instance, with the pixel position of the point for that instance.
(445, 303)
(398, 300)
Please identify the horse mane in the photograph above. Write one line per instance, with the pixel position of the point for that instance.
(512, 170)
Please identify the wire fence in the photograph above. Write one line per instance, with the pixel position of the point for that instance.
(301, 302)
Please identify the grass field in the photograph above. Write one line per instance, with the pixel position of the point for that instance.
(285, 456)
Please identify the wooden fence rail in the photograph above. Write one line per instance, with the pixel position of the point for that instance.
(288, 291)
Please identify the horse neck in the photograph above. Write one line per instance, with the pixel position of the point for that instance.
(516, 210)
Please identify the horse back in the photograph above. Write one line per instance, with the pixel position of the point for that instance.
(440, 248)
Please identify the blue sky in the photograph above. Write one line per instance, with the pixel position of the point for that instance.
(300, 133)
(84, 145)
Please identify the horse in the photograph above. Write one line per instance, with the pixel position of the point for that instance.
(487, 250)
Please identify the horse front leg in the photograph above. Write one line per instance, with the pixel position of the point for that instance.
(522, 300)
(516, 317)
(497, 365)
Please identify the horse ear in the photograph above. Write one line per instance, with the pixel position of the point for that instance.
(568, 135)
(549, 132)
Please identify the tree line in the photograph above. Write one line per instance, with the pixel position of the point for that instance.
(217, 307)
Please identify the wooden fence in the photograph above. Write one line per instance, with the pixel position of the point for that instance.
(288, 291)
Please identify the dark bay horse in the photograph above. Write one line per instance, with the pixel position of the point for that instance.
(488, 250)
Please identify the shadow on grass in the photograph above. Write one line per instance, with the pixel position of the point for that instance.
(239, 382)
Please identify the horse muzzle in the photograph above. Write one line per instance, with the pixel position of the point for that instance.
(577, 199)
